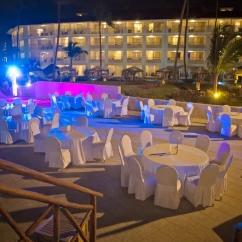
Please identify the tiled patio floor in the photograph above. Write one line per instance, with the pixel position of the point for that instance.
(120, 216)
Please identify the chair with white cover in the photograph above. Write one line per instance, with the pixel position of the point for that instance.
(176, 137)
(185, 119)
(89, 97)
(212, 125)
(94, 94)
(57, 157)
(16, 110)
(228, 129)
(103, 149)
(28, 136)
(142, 184)
(201, 190)
(240, 131)
(91, 110)
(65, 102)
(7, 136)
(221, 181)
(226, 109)
(17, 101)
(57, 94)
(68, 93)
(104, 96)
(30, 108)
(77, 102)
(123, 109)
(3, 103)
(151, 103)
(39, 140)
(148, 117)
(202, 142)
(142, 114)
(222, 155)
(82, 121)
(127, 148)
(124, 169)
(108, 111)
(171, 102)
(168, 118)
(168, 188)
(120, 97)
(188, 106)
(55, 121)
(145, 140)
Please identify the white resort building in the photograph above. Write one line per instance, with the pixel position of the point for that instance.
(146, 44)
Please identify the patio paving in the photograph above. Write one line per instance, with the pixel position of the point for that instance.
(120, 216)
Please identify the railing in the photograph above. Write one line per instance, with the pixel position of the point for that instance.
(96, 30)
(154, 43)
(134, 30)
(149, 59)
(53, 204)
(175, 44)
(115, 30)
(154, 30)
(134, 59)
(115, 44)
(79, 31)
(40, 47)
(196, 43)
(35, 33)
(112, 58)
(134, 44)
(194, 29)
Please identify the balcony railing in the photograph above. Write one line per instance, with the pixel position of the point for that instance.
(134, 44)
(173, 45)
(134, 59)
(40, 47)
(96, 45)
(96, 30)
(172, 58)
(35, 33)
(195, 60)
(153, 59)
(154, 30)
(134, 30)
(115, 30)
(115, 59)
(115, 44)
(196, 44)
(79, 31)
(196, 29)
(154, 44)
(63, 32)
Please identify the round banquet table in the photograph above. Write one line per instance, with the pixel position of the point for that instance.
(158, 111)
(100, 102)
(189, 161)
(77, 142)
(236, 118)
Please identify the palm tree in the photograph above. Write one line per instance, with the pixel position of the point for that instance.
(73, 51)
(102, 14)
(225, 51)
(179, 38)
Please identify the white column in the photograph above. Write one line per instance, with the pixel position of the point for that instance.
(143, 59)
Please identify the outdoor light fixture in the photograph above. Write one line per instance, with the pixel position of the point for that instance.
(216, 94)
(28, 84)
(13, 73)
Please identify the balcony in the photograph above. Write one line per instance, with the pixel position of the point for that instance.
(154, 30)
(174, 45)
(154, 44)
(115, 30)
(196, 60)
(96, 31)
(96, 45)
(196, 44)
(79, 31)
(196, 29)
(40, 47)
(36, 33)
(134, 59)
(153, 59)
(134, 44)
(134, 30)
(115, 45)
(63, 32)
(170, 60)
(114, 59)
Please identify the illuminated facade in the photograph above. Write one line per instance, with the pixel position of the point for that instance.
(146, 44)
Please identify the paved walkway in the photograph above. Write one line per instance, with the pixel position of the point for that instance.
(120, 216)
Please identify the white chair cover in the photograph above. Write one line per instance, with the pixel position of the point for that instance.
(228, 129)
(142, 114)
(65, 102)
(148, 117)
(142, 184)
(226, 109)
(31, 108)
(222, 155)
(151, 103)
(82, 121)
(168, 188)
(202, 142)
(108, 111)
(5, 136)
(189, 105)
(221, 181)
(186, 119)
(124, 169)
(57, 157)
(3, 103)
(55, 121)
(145, 140)
(176, 137)
(68, 93)
(30, 101)
(168, 118)
(28, 134)
(39, 140)
(212, 126)
(127, 147)
(104, 96)
(240, 131)
(16, 111)
(120, 97)
(200, 191)
(123, 110)
(103, 149)
(56, 94)
(171, 102)
(89, 97)
(17, 101)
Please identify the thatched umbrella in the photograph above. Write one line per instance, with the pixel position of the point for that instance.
(201, 73)
(165, 71)
(131, 72)
(98, 72)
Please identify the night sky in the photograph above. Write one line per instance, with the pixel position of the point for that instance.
(35, 11)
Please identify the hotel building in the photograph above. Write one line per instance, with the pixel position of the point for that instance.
(146, 44)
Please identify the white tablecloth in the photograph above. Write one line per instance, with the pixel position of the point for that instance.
(158, 111)
(76, 141)
(100, 102)
(235, 117)
(189, 161)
